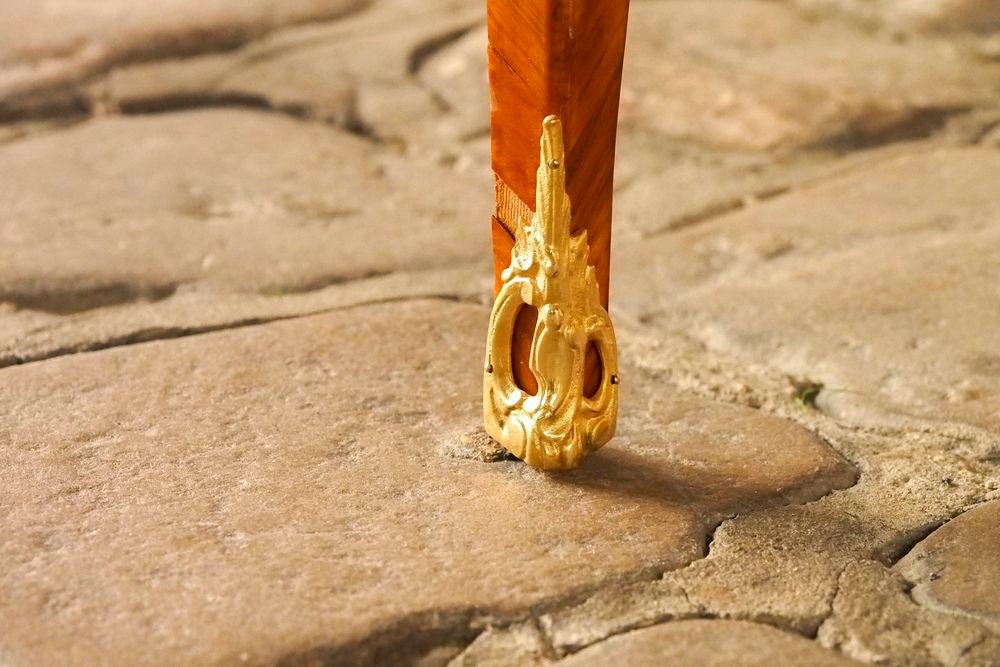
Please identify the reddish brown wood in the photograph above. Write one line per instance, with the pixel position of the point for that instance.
(560, 57)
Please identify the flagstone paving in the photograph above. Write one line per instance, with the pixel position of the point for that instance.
(708, 644)
(293, 488)
(880, 285)
(50, 47)
(951, 568)
(244, 285)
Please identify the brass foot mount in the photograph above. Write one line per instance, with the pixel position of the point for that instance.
(556, 427)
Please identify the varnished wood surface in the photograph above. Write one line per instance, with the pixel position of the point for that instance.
(560, 57)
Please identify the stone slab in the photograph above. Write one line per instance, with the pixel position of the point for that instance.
(880, 285)
(362, 73)
(134, 208)
(32, 335)
(704, 643)
(921, 15)
(46, 45)
(875, 621)
(957, 566)
(291, 492)
(760, 75)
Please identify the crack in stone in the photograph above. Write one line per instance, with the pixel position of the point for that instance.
(322, 282)
(351, 122)
(407, 639)
(925, 604)
(724, 207)
(400, 642)
(52, 98)
(433, 45)
(71, 301)
(924, 615)
(897, 550)
(169, 333)
(716, 210)
(920, 123)
(174, 103)
(705, 614)
(830, 604)
(89, 102)
(890, 549)
(550, 648)
(426, 50)
(968, 649)
(767, 387)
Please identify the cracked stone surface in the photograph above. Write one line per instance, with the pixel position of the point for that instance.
(243, 296)
(263, 492)
(920, 15)
(49, 46)
(894, 262)
(358, 73)
(873, 617)
(755, 75)
(686, 164)
(32, 335)
(956, 566)
(708, 644)
(706, 72)
(246, 201)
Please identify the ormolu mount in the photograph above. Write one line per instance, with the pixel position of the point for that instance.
(551, 374)
(558, 425)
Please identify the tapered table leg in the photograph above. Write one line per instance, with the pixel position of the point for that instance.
(551, 373)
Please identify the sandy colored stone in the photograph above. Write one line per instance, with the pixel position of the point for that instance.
(778, 568)
(875, 621)
(708, 644)
(661, 182)
(124, 209)
(957, 566)
(665, 184)
(667, 178)
(48, 45)
(944, 15)
(879, 285)
(286, 490)
(760, 75)
(228, 497)
(923, 15)
(457, 74)
(752, 75)
(520, 644)
(361, 73)
(784, 567)
(33, 335)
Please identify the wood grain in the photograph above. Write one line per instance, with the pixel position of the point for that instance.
(560, 57)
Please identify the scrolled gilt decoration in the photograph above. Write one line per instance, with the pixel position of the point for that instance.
(558, 426)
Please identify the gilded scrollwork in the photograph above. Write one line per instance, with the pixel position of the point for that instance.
(556, 427)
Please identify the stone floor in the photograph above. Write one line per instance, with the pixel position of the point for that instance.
(244, 283)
